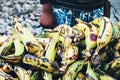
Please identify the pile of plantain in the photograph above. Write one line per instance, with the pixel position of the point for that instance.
(85, 51)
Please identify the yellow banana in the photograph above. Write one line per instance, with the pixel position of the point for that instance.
(28, 39)
(72, 70)
(64, 29)
(77, 35)
(22, 73)
(105, 34)
(43, 41)
(41, 62)
(68, 56)
(90, 32)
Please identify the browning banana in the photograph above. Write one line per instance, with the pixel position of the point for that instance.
(41, 62)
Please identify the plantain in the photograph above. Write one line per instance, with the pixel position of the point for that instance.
(34, 76)
(41, 62)
(103, 76)
(43, 41)
(64, 29)
(51, 54)
(105, 29)
(5, 67)
(5, 76)
(21, 73)
(90, 73)
(69, 56)
(6, 46)
(28, 39)
(19, 50)
(72, 70)
(90, 32)
(80, 76)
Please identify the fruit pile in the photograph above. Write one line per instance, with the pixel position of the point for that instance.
(85, 51)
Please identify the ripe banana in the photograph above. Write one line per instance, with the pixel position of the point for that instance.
(22, 73)
(41, 62)
(43, 41)
(72, 70)
(91, 33)
(65, 39)
(104, 36)
(64, 29)
(28, 39)
(68, 56)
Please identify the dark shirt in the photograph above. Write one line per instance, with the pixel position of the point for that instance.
(76, 4)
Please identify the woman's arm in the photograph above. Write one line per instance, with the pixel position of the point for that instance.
(47, 20)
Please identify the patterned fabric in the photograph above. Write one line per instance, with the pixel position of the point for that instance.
(67, 16)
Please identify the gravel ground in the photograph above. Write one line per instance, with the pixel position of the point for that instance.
(29, 12)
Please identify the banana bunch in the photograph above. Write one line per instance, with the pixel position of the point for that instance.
(86, 51)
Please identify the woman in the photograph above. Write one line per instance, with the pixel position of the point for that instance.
(57, 12)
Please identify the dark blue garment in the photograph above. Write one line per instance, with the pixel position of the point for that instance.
(67, 16)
